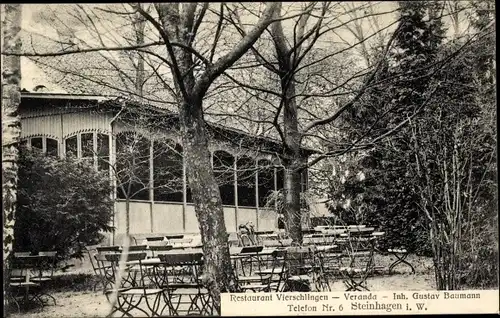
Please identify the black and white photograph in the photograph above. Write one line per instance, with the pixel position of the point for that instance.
(161, 158)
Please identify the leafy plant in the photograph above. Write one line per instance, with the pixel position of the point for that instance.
(276, 202)
(63, 205)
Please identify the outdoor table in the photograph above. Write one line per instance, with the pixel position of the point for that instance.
(248, 258)
(277, 243)
(264, 252)
(268, 236)
(309, 231)
(174, 237)
(27, 263)
(325, 248)
(356, 226)
(152, 264)
(32, 262)
(401, 254)
(333, 231)
(361, 231)
(110, 249)
(320, 239)
(264, 232)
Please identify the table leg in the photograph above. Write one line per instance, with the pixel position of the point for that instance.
(401, 260)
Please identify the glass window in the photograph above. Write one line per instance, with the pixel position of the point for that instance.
(280, 178)
(37, 143)
(87, 145)
(52, 147)
(102, 152)
(303, 180)
(167, 163)
(246, 181)
(23, 143)
(224, 175)
(71, 146)
(265, 180)
(132, 163)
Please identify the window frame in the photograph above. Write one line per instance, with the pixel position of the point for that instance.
(44, 139)
(95, 151)
(229, 173)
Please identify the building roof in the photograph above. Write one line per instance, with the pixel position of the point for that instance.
(117, 103)
(106, 79)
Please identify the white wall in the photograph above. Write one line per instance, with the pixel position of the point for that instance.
(163, 218)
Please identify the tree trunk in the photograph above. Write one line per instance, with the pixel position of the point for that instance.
(127, 217)
(139, 71)
(293, 215)
(11, 123)
(293, 212)
(218, 273)
(177, 25)
(291, 133)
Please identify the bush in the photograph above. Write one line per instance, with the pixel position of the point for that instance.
(63, 205)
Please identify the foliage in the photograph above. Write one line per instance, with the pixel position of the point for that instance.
(64, 204)
(275, 201)
(386, 194)
(431, 187)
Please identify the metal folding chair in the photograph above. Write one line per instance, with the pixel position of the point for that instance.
(358, 254)
(299, 269)
(181, 276)
(45, 272)
(22, 289)
(132, 290)
(249, 260)
(270, 279)
(318, 269)
(92, 252)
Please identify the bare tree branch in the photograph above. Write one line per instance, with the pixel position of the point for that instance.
(244, 45)
(361, 91)
(79, 50)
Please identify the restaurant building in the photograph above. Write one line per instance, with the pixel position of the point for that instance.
(140, 146)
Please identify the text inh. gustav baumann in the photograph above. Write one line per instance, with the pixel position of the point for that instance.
(409, 302)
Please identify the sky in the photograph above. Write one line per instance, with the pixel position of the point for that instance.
(34, 24)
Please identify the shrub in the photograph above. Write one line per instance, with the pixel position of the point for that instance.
(63, 205)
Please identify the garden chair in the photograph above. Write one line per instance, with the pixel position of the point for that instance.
(132, 291)
(105, 272)
(270, 279)
(249, 260)
(92, 252)
(358, 258)
(332, 260)
(244, 239)
(21, 287)
(17, 274)
(299, 269)
(45, 272)
(10, 298)
(182, 277)
(317, 266)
